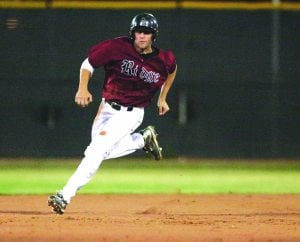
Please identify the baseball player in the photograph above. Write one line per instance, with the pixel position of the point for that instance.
(134, 71)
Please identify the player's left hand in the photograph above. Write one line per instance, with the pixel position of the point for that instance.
(83, 98)
(163, 107)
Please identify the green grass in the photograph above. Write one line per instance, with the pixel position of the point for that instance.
(125, 176)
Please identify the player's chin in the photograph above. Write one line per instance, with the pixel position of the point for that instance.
(142, 45)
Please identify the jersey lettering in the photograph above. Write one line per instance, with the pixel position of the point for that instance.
(129, 68)
(149, 76)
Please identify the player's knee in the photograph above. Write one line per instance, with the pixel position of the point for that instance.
(94, 152)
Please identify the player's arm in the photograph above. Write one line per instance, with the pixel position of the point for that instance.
(83, 97)
(162, 104)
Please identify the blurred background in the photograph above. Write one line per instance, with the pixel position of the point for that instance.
(237, 91)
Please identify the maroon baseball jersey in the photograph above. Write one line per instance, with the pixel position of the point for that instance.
(130, 78)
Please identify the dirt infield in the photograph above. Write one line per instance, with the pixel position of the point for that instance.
(153, 218)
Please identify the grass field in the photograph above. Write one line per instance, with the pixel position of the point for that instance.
(135, 176)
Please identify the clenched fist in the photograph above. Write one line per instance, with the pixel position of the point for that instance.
(83, 98)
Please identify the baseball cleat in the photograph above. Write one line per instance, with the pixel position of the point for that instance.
(151, 144)
(57, 203)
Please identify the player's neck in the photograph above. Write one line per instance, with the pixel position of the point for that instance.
(145, 51)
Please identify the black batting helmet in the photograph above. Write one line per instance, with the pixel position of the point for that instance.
(144, 21)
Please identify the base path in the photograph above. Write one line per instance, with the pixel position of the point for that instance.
(153, 218)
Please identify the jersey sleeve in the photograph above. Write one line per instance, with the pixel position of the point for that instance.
(99, 55)
(170, 61)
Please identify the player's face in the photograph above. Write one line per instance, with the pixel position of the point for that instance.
(143, 41)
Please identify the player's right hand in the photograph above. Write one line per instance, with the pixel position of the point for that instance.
(83, 98)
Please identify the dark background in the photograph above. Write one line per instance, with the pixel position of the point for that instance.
(236, 93)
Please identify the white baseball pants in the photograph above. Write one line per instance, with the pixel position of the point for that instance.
(112, 136)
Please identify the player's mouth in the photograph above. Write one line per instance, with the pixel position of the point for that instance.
(142, 44)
